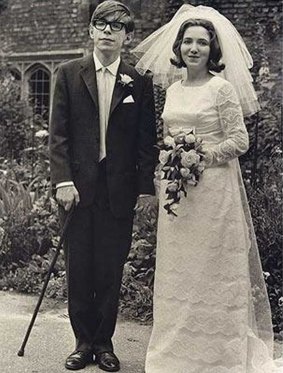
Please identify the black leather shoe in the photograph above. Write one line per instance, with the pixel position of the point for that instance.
(78, 360)
(107, 361)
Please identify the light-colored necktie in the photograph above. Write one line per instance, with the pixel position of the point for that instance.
(104, 110)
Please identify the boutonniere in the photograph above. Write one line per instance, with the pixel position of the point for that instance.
(126, 80)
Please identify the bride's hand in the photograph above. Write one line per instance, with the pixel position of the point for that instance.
(208, 156)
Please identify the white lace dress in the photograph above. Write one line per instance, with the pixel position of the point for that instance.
(203, 312)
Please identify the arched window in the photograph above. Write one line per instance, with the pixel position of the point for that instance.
(39, 91)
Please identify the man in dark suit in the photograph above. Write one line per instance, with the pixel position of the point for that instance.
(102, 157)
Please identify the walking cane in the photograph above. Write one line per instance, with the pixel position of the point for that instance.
(50, 270)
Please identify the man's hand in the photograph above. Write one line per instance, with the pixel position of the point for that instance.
(145, 202)
(66, 195)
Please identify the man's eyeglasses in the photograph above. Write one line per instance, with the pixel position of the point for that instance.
(101, 25)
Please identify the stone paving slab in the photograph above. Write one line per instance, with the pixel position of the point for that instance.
(51, 339)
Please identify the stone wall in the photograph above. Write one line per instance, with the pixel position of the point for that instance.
(245, 14)
(44, 25)
(43, 33)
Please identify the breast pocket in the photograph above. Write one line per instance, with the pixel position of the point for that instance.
(128, 100)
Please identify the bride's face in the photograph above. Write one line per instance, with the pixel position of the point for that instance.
(195, 47)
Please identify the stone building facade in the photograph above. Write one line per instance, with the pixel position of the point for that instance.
(37, 35)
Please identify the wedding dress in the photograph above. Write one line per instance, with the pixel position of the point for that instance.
(211, 313)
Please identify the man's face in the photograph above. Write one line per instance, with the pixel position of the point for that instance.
(107, 41)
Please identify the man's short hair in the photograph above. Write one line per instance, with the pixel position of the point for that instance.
(120, 12)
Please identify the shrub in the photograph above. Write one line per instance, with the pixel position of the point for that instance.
(15, 206)
(23, 136)
(28, 223)
(265, 201)
(29, 278)
(137, 285)
(15, 117)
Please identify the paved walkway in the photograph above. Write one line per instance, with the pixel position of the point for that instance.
(51, 339)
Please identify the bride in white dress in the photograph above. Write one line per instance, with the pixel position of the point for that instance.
(211, 310)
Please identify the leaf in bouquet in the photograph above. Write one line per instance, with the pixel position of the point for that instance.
(172, 186)
(168, 175)
(178, 195)
(175, 161)
(198, 147)
(192, 182)
(173, 174)
(169, 209)
(179, 146)
(170, 195)
(182, 189)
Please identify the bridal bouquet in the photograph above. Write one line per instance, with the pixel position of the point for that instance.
(181, 162)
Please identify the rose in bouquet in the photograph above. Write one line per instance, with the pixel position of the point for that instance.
(182, 162)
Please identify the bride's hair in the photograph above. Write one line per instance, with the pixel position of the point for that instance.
(214, 63)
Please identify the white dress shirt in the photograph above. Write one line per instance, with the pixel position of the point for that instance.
(106, 77)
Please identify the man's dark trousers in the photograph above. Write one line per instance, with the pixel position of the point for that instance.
(97, 247)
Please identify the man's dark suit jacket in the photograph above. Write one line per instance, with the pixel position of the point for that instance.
(130, 138)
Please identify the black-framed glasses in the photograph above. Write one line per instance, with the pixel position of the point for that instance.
(101, 24)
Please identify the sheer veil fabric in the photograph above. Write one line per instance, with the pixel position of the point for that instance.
(155, 51)
(154, 54)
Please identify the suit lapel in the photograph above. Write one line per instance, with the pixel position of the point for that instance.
(89, 76)
(119, 91)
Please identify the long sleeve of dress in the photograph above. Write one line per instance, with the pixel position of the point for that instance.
(236, 140)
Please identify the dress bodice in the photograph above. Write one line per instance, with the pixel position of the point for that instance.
(196, 107)
(215, 113)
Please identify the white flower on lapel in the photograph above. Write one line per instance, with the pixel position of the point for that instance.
(126, 80)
